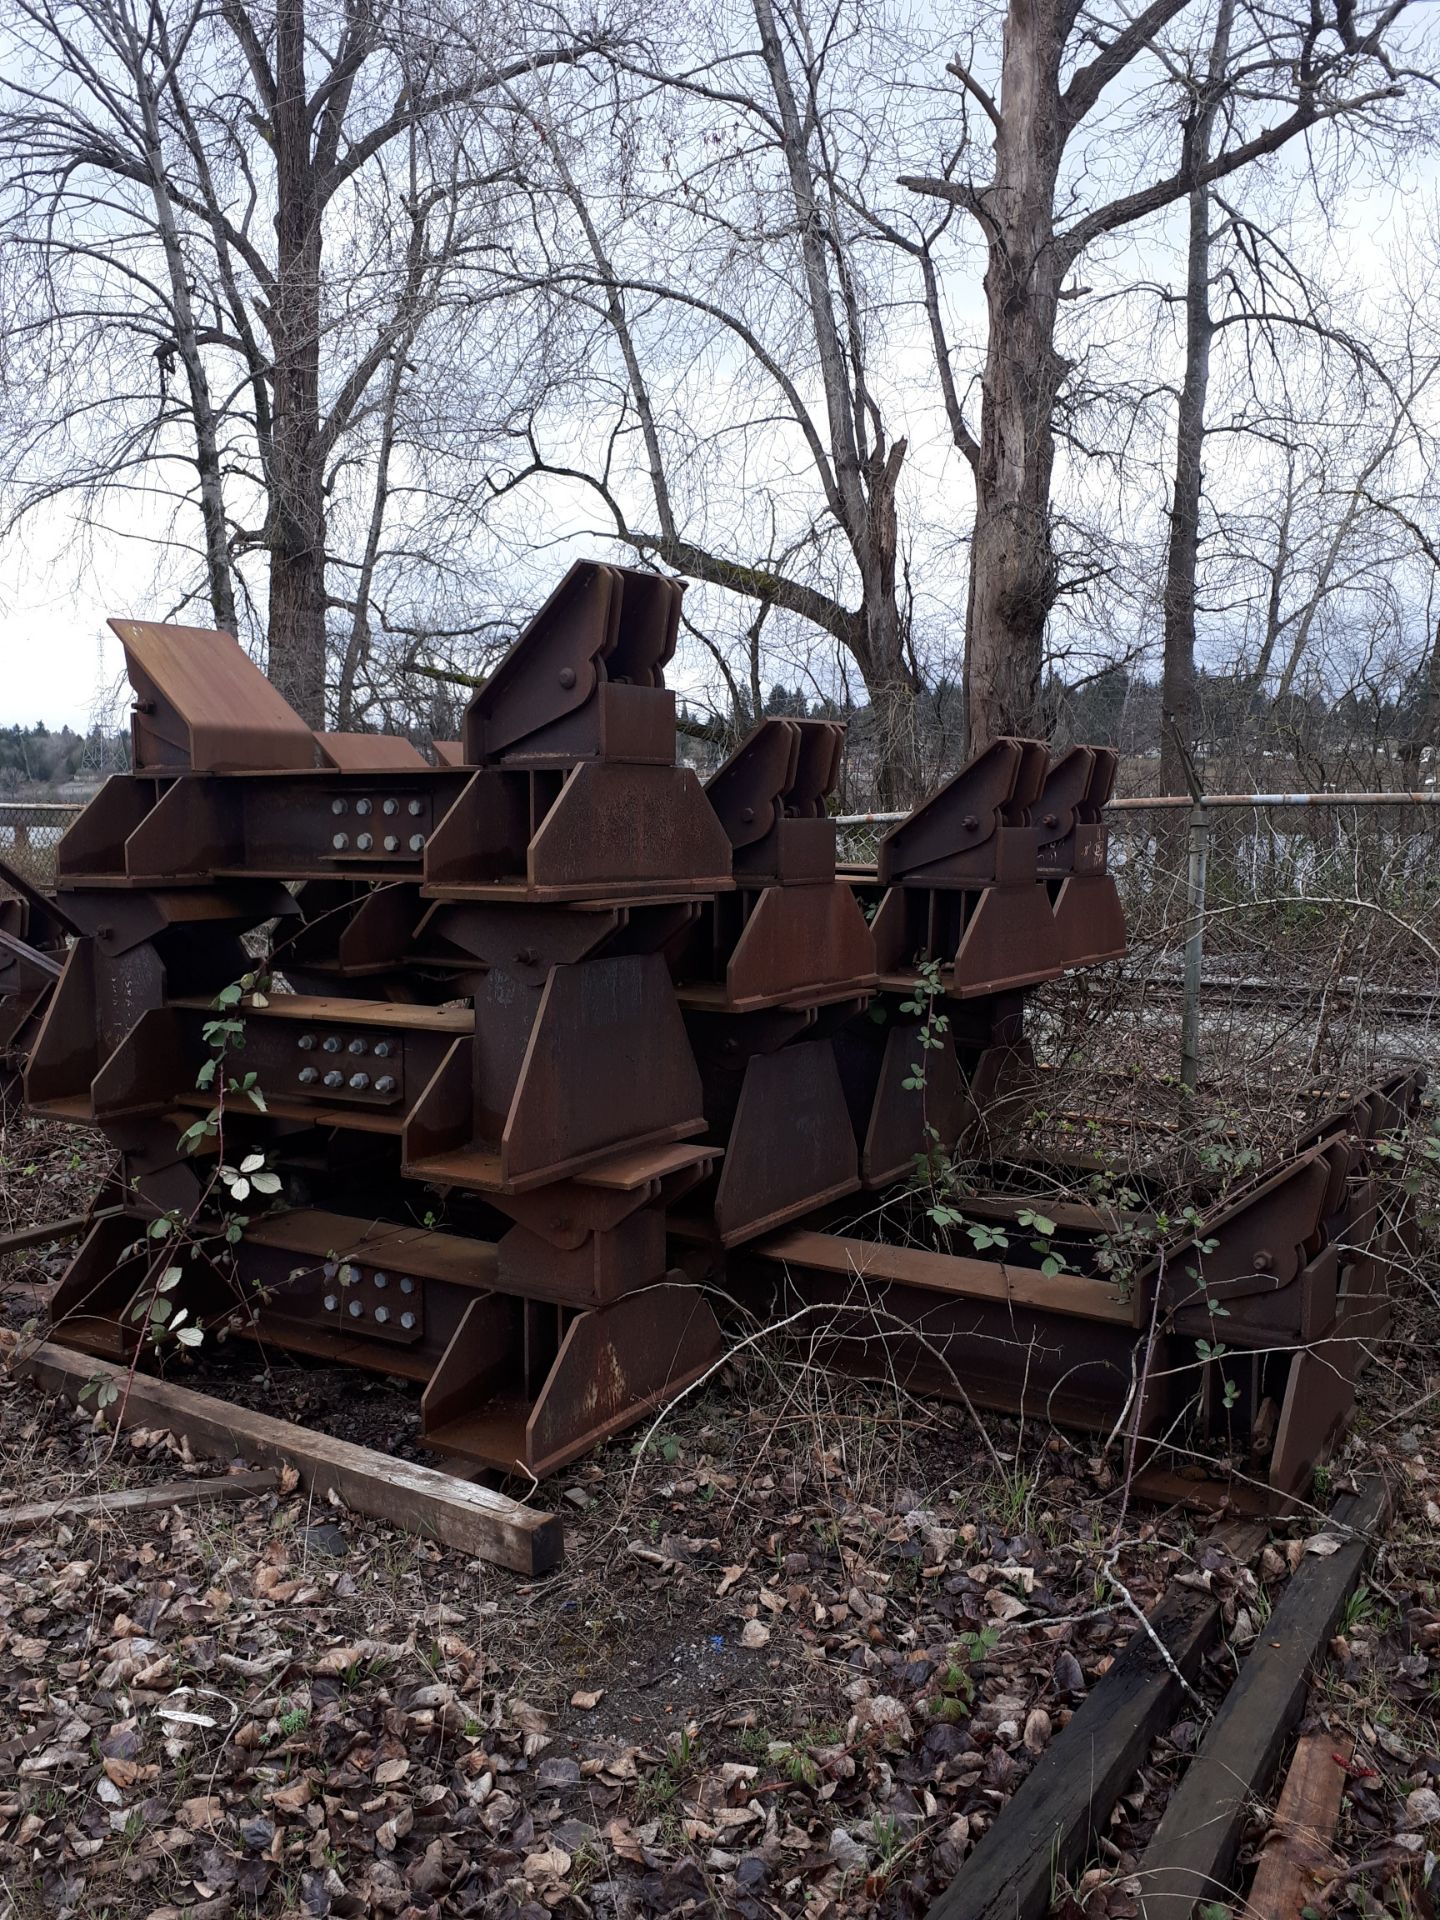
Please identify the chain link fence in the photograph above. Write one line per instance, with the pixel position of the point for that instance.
(30, 831)
(1318, 962)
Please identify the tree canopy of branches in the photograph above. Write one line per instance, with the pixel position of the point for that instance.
(243, 249)
(966, 362)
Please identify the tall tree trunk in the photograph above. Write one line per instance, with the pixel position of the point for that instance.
(1177, 681)
(890, 678)
(296, 533)
(187, 344)
(1012, 559)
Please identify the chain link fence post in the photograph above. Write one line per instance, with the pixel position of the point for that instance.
(1194, 947)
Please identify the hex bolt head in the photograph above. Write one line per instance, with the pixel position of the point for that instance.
(357, 1310)
(331, 1303)
(331, 1043)
(362, 806)
(383, 1049)
(308, 1076)
(407, 1321)
(392, 843)
(359, 1082)
(385, 1084)
(334, 1078)
(417, 843)
(363, 843)
(339, 806)
(382, 1314)
(305, 1042)
(407, 1286)
(357, 1045)
(416, 808)
(381, 1280)
(391, 807)
(340, 841)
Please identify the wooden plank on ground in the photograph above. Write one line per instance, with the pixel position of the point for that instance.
(1296, 1861)
(134, 1500)
(421, 1499)
(1191, 1854)
(1045, 1829)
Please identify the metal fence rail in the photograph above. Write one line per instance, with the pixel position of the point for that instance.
(1175, 894)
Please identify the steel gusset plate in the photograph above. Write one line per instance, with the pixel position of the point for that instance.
(585, 679)
(770, 797)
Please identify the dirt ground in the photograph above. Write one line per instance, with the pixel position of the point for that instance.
(808, 1638)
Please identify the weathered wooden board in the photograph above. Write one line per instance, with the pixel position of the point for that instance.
(1296, 1862)
(1191, 1855)
(421, 1499)
(139, 1500)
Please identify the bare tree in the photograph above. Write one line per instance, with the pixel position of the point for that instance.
(281, 206)
(1062, 66)
(778, 279)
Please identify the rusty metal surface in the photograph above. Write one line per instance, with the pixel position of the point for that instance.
(771, 798)
(368, 752)
(203, 706)
(582, 1015)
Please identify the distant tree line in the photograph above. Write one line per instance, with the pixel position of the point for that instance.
(36, 757)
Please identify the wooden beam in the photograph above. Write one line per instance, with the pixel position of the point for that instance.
(1045, 1828)
(133, 1500)
(1296, 1860)
(477, 1521)
(1191, 1854)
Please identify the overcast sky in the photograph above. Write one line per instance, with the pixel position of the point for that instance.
(60, 581)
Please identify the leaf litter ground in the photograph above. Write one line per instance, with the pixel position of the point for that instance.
(805, 1643)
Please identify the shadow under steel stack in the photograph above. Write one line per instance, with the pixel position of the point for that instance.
(556, 1039)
